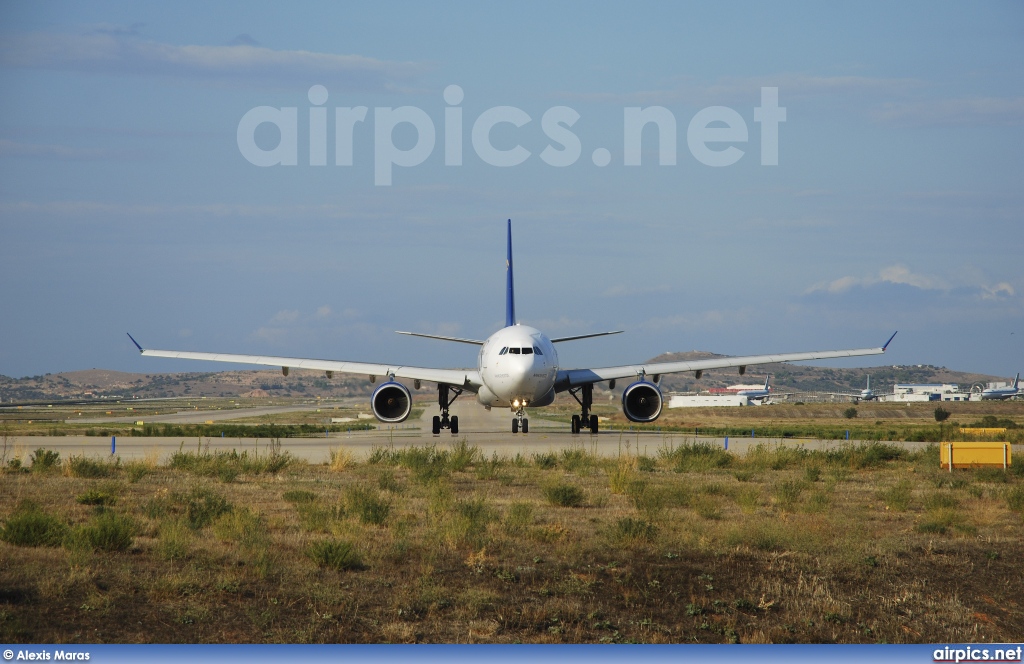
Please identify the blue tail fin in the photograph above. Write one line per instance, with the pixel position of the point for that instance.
(510, 296)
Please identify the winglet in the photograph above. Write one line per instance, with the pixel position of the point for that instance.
(886, 345)
(510, 297)
(134, 341)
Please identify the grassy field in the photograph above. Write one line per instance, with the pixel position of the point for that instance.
(691, 544)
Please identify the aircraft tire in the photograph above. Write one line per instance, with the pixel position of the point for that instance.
(526, 425)
(575, 423)
(515, 425)
(593, 424)
(455, 424)
(436, 425)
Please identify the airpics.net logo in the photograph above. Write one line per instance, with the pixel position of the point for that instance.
(957, 654)
(712, 135)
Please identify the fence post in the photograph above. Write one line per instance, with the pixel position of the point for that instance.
(113, 445)
(727, 442)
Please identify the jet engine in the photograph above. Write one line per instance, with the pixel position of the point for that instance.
(642, 402)
(391, 402)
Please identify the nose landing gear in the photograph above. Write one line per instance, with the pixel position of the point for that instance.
(520, 423)
(443, 421)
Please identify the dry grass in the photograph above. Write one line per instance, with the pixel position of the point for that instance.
(446, 546)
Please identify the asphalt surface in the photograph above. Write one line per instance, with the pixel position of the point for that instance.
(491, 431)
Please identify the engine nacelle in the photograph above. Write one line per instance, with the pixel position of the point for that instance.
(391, 402)
(642, 402)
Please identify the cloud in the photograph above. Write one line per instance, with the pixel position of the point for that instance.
(323, 312)
(976, 111)
(1000, 291)
(285, 316)
(120, 52)
(894, 274)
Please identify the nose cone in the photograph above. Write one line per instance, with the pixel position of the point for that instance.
(519, 373)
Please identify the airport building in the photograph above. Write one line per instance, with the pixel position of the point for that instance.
(700, 400)
(926, 392)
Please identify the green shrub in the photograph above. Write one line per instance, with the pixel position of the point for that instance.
(696, 457)
(200, 506)
(545, 461)
(564, 495)
(788, 492)
(98, 496)
(462, 455)
(174, 539)
(136, 470)
(992, 475)
(367, 504)
(850, 413)
(897, 497)
(83, 466)
(941, 414)
(647, 500)
(518, 517)
(108, 531)
(335, 555)
(941, 500)
(44, 460)
(628, 530)
(387, 481)
(227, 465)
(1015, 498)
(577, 458)
(243, 526)
(299, 496)
(31, 526)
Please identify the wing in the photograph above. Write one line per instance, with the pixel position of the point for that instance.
(572, 377)
(466, 378)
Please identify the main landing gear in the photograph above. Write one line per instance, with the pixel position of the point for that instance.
(584, 396)
(443, 421)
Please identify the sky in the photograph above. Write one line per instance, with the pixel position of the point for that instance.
(203, 177)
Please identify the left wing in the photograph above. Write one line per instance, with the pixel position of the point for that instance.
(568, 378)
(465, 378)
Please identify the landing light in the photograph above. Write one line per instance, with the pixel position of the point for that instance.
(516, 403)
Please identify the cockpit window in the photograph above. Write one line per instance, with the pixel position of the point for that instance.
(503, 350)
(514, 351)
(537, 350)
(527, 351)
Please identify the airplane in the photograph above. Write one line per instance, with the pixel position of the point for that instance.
(755, 393)
(752, 392)
(867, 394)
(517, 368)
(1002, 392)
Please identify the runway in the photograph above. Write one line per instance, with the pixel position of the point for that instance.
(490, 431)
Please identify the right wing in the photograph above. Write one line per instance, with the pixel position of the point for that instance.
(568, 378)
(465, 378)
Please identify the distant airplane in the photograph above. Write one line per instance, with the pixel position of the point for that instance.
(867, 394)
(517, 367)
(751, 392)
(1003, 392)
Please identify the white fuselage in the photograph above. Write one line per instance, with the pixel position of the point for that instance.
(518, 366)
(999, 393)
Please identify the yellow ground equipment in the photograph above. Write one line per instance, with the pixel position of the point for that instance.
(974, 455)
